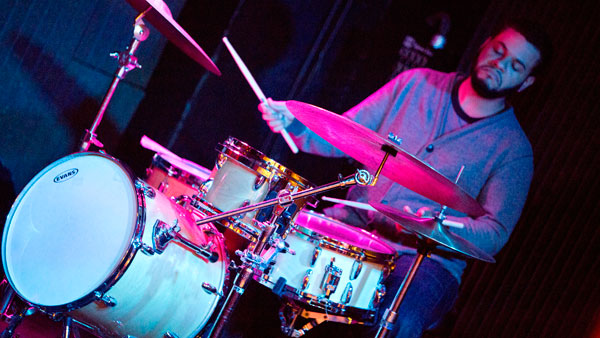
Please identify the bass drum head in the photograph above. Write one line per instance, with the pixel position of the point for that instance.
(69, 229)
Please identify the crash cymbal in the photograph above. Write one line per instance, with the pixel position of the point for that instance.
(365, 146)
(431, 229)
(160, 17)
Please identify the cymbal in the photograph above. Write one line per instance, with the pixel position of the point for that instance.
(430, 228)
(365, 146)
(160, 17)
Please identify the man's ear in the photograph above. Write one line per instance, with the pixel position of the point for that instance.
(528, 82)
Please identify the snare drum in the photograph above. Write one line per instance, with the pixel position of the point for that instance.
(336, 267)
(79, 239)
(245, 176)
(176, 176)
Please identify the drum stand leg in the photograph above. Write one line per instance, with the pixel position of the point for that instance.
(8, 296)
(69, 328)
(250, 261)
(16, 320)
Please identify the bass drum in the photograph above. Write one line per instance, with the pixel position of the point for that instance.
(72, 243)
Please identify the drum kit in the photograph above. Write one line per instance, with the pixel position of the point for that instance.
(90, 243)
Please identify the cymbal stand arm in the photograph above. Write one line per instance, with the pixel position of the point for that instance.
(250, 261)
(361, 177)
(127, 62)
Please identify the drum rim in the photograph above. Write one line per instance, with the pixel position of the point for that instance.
(339, 246)
(366, 315)
(240, 150)
(126, 258)
(175, 171)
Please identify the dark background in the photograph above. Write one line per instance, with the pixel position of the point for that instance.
(55, 69)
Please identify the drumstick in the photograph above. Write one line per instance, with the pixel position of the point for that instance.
(150, 144)
(368, 207)
(259, 93)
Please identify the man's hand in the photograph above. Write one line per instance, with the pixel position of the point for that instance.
(276, 114)
(422, 212)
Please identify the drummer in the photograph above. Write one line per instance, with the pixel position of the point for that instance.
(447, 120)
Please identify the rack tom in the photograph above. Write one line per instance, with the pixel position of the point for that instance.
(244, 176)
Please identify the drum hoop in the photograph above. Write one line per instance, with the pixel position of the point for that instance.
(126, 259)
(176, 172)
(259, 162)
(342, 247)
(367, 316)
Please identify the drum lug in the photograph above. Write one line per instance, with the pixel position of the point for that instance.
(385, 272)
(347, 296)
(378, 296)
(210, 289)
(105, 299)
(306, 279)
(315, 256)
(162, 234)
(331, 278)
(258, 182)
(146, 249)
(148, 191)
(205, 187)
(170, 334)
(356, 269)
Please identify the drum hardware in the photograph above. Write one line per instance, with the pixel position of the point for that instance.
(361, 177)
(163, 233)
(15, 320)
(105, 299)
(159, 15)
(127, 62)
(251, 261)
(356, 269)
(430, 233)
(289, 312)
(331, 278)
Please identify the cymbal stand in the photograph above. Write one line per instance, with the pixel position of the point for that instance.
(251, 261)
(361, 177)
(425, 247)
(127, 62)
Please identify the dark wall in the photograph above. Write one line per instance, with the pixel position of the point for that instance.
(55, 69)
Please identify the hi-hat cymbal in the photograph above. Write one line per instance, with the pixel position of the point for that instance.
(431, 229)
(160, 17)
(365, 146)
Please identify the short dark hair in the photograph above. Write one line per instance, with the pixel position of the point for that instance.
(535, 35)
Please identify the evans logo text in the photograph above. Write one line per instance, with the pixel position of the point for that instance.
(66, 175)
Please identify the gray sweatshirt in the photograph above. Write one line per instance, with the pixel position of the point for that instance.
(417, 106)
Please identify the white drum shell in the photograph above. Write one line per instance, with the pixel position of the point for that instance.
(71, 232)
(338, 243)
(294, 267)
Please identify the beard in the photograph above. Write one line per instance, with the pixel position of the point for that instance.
(482, 89)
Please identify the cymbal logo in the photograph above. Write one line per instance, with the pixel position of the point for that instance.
(66, 175)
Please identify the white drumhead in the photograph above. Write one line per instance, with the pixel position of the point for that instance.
(69, 229)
